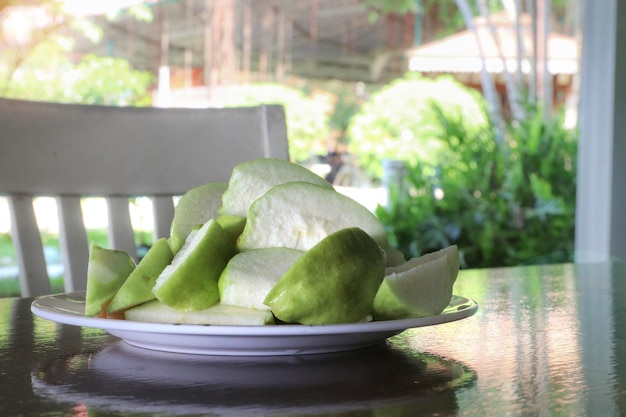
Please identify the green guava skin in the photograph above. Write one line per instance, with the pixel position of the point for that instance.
(195, 207)
(106, 272)
(190, 282)
(334, 282)
(137, 288)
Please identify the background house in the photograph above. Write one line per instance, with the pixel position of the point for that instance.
(504, 50)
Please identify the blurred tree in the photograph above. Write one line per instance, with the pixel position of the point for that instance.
(397, 122)
(115, 82)
(36, 61)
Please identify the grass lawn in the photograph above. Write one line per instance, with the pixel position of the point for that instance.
(9, 287)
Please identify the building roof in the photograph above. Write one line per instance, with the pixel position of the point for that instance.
(312, 39)
(462, 52)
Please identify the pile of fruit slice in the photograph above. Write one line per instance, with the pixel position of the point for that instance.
(276, 244)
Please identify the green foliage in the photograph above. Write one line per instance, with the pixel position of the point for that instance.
(38, 65)
(11, 287)
(110, 81)
(141, 12)
(343, 99)
(448, 14)
(398, 121)
(87, 28)
(380, 8)
(348, 101)
(503, 205)
(94, 80)
(7, 252)
(307, 121)
(445, 12)
(392, 6)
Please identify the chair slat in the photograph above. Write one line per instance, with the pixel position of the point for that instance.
(163, 211)
(276, 127)
(31, 262)
(73, 241)
(121, 234)
(123, 151)
(73, 151)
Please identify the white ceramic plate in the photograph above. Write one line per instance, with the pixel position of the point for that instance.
(242, 340)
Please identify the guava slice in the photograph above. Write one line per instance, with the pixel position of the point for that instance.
(190, 282)
(420, 287)
(137, 288)
(394, 257)
(232, 225)
(299, 215)
(195, 207)
(249, 180)
(218, 314)
(249, 276)
(333, 282)
(106, 272)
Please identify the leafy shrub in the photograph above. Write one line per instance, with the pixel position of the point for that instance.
(93, 80)
(398, 122)
(503, 204)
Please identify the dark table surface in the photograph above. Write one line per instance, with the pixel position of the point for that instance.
(546, 341)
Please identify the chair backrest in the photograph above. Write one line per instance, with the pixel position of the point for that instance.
(72, 151)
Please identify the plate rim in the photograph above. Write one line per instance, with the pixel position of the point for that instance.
(459, 308)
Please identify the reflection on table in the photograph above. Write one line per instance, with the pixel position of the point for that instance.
(381, 379)
(547, 340)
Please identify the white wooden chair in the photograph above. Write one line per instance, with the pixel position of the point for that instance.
(72, 151)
